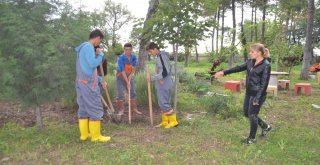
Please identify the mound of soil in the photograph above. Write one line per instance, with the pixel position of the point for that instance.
(13, 112)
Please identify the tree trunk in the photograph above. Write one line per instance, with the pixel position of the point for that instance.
(276, 12)
(255, 24)
(39, 117)
(243, 36)
(234, 27)
(197, 54)
(263, 21)
(113, 42)
(291, 27)
(218, 25)
(212, 35)
(287, 25)
(186, 56)
(242, 10)
(176, 78)
(252, 31)
(222, 28)
(143, 54)
(308, 46)
(294, 31)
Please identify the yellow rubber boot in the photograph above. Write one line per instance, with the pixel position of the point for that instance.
(172, 121)
(84, 129)
(164, 121)
(95, 128)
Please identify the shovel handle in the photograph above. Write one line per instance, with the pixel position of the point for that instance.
(149, 96)
(106, 90)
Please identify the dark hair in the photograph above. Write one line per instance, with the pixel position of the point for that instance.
(152, 45)
(127, 45)
(96, 33)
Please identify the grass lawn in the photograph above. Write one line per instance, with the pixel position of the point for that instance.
(202, 137)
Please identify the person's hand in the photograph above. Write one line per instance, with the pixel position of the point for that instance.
(255, 102)
(128, 85)
(148, 78)
(129, 78)
(161, 82)
(98, 50)
(104, 84)
(219, 74)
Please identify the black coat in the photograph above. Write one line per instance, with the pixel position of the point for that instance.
(257, 77)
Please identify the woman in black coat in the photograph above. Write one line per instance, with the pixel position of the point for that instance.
(258, 74)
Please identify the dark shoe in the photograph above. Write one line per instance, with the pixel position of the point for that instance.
(248, 141)
(264, 132)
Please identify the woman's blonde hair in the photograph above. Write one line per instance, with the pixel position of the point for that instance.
(260, 48)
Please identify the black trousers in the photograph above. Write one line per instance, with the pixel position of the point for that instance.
(251, 111)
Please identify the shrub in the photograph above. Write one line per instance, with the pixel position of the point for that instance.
(142, 90)
(224, 106)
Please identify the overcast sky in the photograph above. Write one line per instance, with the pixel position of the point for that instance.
(139, 9)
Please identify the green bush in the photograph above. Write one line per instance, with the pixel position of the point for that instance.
(223, 106)
(111, 81)
(181, 57)
(142, 90)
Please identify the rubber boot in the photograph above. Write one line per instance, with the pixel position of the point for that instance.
(120, 105)
(95, 128)
(84, 129)
(134, 108)
(172, 121)
(164, 121)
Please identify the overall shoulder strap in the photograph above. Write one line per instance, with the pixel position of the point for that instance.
(164, 72)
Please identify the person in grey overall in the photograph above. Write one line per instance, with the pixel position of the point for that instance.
(127, 62)
(164, 84)
(90, 110)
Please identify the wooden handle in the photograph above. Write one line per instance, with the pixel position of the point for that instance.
(129, 104)
(104, 102)
(149, 97)
(106, 90)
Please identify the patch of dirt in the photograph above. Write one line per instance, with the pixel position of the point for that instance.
(13, 112)
(136, 118)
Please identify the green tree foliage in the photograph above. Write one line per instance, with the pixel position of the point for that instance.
(37, 49)
(178, 23)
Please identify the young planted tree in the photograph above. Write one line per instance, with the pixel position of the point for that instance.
(175, 22)
(136, 32)
(211, 10)
(113, 17)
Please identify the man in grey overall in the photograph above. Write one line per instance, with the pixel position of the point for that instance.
(90, 110)
(164, 85)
